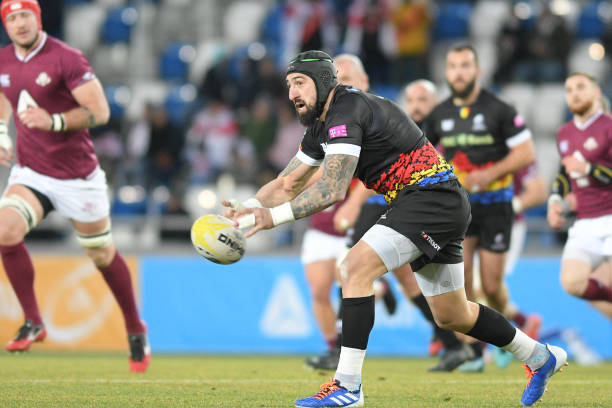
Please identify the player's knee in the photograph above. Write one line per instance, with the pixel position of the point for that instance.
(319, 293)
(572, 284)
(101, 257)
(10, 236)
(491, 289)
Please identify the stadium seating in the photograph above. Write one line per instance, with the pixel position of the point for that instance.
(591, 22)
(117, 27)
(174, 61)
(452, 20)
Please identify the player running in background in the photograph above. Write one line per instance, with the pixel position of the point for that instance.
(55, 98)
(486, 141)
(585, 146)
(351, 131)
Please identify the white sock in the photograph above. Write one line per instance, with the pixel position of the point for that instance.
(528, 350)
(349, 368)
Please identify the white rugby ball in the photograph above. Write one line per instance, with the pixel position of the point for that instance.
(216, 239)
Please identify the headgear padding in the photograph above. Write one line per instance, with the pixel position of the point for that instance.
(320, 68)
(9, 7)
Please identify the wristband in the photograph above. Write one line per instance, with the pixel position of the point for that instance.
(555, 198)
(517, 205)
(58, 122)
(252, 203)
(5, 140)
(282, 214)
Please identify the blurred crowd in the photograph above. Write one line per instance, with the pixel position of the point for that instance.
(242, 123)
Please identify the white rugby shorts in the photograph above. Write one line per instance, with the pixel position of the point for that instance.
(319, 246)
(395, 250)
(83, 200)
(590, 240)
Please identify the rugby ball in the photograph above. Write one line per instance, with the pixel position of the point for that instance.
(216, 239)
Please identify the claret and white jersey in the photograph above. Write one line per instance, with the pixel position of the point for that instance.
(45, 78)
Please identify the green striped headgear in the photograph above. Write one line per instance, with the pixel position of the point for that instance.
(319, 66)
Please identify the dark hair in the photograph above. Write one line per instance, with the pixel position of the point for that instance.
(463, 47)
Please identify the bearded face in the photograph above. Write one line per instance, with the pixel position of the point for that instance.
(306, 112)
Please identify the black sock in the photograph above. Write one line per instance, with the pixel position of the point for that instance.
(447, 337)
(357, 321)
(476, 348)
(493, 328)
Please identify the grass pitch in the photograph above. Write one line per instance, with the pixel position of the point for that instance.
(38, 379)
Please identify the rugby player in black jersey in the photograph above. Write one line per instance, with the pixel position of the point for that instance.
(347, 131)
(486, 141)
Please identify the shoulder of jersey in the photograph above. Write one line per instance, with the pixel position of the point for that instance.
(59, 46)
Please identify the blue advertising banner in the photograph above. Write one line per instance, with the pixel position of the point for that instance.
(262, 305)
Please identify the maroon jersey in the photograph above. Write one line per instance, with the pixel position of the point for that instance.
(45, 78)
(593, 141)
(324, 220)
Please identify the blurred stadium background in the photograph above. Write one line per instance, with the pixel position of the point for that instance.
(200, 113)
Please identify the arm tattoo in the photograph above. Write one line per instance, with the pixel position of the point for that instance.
(92, 118)
(293, 164)
(338, 170)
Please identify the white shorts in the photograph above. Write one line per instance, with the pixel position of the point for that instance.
(319, 246)
(395, 250)
(590, 240)
(517, 242)
(83, 200)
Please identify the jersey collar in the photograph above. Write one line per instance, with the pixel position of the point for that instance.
(35, 51)
(589, 121)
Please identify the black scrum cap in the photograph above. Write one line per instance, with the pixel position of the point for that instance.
(319, 66)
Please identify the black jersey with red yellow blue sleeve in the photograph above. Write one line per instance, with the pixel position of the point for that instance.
(393, 152)
(475, 137)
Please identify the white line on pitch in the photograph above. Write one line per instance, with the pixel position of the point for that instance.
(263, 381)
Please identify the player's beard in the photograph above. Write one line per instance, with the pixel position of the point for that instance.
(309, 117)
(30, 44)
(465, 92)
(582, 108)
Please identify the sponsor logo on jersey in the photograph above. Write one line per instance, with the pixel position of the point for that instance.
(464, 112)
(518, 121)
(88, 76)
(590, 143)
(564, 146)
(447, 125)
(324, 147)
(5, 80)
(498, 241)
(43, 79)
(430, 241)
(479, 124)
(337, 131)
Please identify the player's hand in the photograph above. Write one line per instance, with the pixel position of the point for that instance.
(6, 145)
(346, 216)
(572, 202)
(477, 180)
(574, 165)
(36, 118)
(232, 207)
(261, 219)
(554, 215)
(6, 156)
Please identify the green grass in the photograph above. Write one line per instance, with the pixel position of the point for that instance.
(66, 380)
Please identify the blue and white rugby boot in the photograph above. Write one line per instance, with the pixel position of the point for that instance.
(538, 379)
(332, 394)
